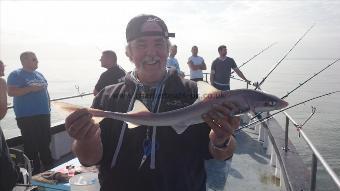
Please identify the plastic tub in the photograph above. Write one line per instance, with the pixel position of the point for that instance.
(85, 181)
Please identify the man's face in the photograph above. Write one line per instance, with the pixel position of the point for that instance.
(194, 51)
(30, 62)
(223, 52)
(173, 50)
(106, 61)
(149, 54)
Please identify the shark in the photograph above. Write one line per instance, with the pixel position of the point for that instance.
(246, 100)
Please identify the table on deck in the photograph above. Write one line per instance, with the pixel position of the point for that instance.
(57, 187)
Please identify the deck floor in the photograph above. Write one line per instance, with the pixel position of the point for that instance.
(250, 167)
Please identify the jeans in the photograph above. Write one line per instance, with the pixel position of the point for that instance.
(217, 174)
(35, 131)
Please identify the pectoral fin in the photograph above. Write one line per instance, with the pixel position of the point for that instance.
(180, 128)
(97, 119)
(131, 125)
(138, 107)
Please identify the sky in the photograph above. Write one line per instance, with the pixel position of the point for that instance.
(72, 34)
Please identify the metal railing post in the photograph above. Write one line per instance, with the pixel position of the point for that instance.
(314, 169)
(286, 134)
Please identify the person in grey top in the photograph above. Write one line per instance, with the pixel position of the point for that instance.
(221, 68)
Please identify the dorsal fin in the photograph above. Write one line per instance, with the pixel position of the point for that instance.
(138, 106)
(206, 91)
(66, 107)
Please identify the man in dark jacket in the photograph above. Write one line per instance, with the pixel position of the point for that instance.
(151, 158)
(112, 75)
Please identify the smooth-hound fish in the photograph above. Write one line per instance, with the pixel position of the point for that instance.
(245, 100)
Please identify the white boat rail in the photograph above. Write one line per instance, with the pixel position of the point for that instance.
(315, 156)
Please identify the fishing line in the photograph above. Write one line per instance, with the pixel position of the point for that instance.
(301, 84)
(271, 116)
(254, 56)
(259, 84)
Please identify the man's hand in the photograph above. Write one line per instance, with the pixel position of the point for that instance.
(80, 125)
(221, 122)
(193, 66)
(36, 88)
(87, 145)
(222, 145)
(16, 91)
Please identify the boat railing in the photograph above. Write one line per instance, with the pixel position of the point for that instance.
(65, 98)
(316, 156)
(206, 79)
(315, 153)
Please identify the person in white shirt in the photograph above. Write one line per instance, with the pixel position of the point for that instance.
(196, 65)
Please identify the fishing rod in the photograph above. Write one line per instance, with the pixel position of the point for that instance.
(75, 96)
(242, 80)
(255, 56)
(259, 84)
(271, 116)
(301, 84)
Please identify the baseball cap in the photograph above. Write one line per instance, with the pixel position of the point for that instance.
(134, 27)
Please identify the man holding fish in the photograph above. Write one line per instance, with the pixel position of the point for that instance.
(150, 158)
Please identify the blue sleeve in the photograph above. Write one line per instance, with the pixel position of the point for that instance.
(14, 80)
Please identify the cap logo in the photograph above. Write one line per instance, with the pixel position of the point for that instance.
(152, 19)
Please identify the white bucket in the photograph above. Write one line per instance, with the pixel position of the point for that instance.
(85, 181)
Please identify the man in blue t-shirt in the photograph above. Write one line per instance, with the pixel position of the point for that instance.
(172, 62)
(221, 68)
(32, 110)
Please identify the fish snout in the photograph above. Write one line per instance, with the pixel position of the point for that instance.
(284, 103)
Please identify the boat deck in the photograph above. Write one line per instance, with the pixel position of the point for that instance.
(250, 168)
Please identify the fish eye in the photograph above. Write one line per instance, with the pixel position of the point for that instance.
(270, 103)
